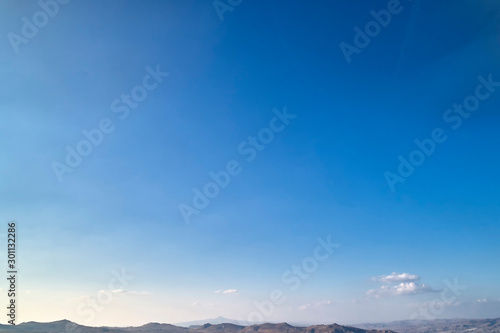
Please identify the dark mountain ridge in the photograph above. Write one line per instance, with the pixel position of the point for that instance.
(65, 326)
(406, 326)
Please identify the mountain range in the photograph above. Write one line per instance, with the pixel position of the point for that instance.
(407, 326)
(65, 326)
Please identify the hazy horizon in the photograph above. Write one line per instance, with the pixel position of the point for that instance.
(231, 321)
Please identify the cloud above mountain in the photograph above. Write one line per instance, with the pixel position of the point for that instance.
(123, 291)
(228, 291)
(399, 284)
(396, 277)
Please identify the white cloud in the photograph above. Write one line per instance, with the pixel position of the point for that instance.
(228, 291)
(122, 291)
(396, 277)
(399, 284)
(404, 288)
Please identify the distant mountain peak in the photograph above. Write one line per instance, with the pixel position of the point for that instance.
(57, 322)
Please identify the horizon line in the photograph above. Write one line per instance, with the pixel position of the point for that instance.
(255, 323)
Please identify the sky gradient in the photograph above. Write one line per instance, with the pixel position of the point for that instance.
(182, 90)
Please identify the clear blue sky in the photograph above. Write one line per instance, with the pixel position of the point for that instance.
(323, 174)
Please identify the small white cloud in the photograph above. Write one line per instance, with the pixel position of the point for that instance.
(228, 291)
(484, 300)
(122, 291)
(396, 277)
(404, 288)
(412, 288)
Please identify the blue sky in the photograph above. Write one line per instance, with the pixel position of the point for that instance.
(323, 174)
